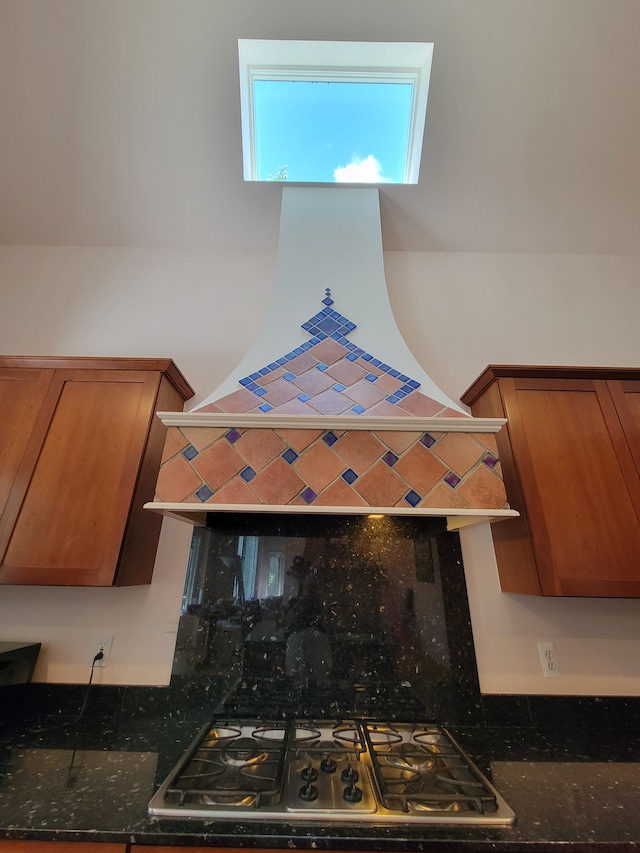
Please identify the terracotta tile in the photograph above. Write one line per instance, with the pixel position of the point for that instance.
(483, 490)
(420, 468)
(173, 443)
(234, 492)
(388, 383)
(277, 484)
(329, 351)
(453, 413)
(218, 463)
(370, 368)
(446, 497)
(330, 402)
(302, 362)
(270, 377)
(176, 480)
(298, 439)
(345, 371)
(258, 447)
(420, 405)
(201, 437)
(487, 440)
(312, 382)
(398, 440)
(386, 410)
(339, 494)
(211, 407)
(293, 407)
(319, 466)
(359, 449)
(238, 401)
(279, 392)
(380, 486)
(459, 450)
(365, 393)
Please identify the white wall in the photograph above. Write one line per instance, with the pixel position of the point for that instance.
(457, 313)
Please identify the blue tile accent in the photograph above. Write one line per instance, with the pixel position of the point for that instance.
(254, 376)
(358, 409)
(490, 460)
(371, 377)
(281, 361)
(338, 387)
(452, 479)
(289, 455)
(414, 384)
(189, 452)
(289, 377)
(384, 367)
(233, 435)
(366, 356)
(322, 366)
(273, 366)
(392, 399)
(390, 458)
(252, 386)
(306, 346)
(308, 496)
(352, 356)
(376, 362)
(427, 440)
(349, 476)
(265, 407)
(260, 392)
(407, 389)
(304, 398)
(395, 373)
(204, 493)
(248, 474)
(246, 381)
(403, 377)
(265, 371)
(400, 394)
(330, 438)
(412, 498)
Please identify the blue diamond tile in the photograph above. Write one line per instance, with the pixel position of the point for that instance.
(330, 438)
(281, 361)
(371, 377)
(351, 357)
(413, 383)
(289, 376)
(412, 498)
(246, 381)
(490, 460)
(265, 371)
(308, 496)
(427, 440)
(189, 452)
(407, 389)
(395, 373)
(390, 458)
(204, 493)
(338, 387)
(322, 366)
(260, 392)
(248, 474)
(403, 377)
(252, 386)
(290, 455)
(265, 407)
(392, 398)
(349, 476)
(376, 362)
(233, 435)
(254, 376)
(452, 479)
(358, 409)
(304, 398)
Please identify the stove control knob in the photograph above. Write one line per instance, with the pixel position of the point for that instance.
(328, 765)
(349, 776)
(352, 794)
(308, 792)
(309, 774)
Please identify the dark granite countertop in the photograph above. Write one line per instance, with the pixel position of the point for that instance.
(92, 780)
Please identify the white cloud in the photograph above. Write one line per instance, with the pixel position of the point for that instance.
(358, 171)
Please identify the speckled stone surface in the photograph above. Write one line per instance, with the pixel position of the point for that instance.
(91, 780)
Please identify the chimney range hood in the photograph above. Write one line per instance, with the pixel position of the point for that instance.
(329, 412)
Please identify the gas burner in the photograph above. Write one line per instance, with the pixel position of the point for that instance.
(242, 751)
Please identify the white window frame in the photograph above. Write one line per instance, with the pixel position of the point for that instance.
(335, 61)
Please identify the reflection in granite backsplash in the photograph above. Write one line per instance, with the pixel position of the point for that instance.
(319, 615)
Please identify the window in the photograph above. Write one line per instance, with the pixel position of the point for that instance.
(323, 112)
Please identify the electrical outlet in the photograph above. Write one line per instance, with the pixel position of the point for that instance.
(548, 659)
(103, 644)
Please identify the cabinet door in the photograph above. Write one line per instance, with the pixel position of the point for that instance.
(583, 523)
(70, 525)
(22, 393)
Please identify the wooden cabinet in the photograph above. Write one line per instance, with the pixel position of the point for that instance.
(570, 454)
(15, 846)
(80, 450)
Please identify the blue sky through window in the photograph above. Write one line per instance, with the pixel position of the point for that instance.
(328, 131)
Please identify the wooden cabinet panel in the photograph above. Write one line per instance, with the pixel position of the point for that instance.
(569, 470)
(74, 514)
(14, 846)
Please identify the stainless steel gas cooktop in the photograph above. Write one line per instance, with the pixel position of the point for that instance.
(328, 770)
